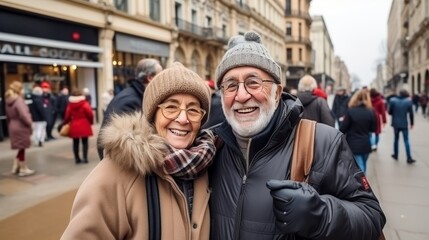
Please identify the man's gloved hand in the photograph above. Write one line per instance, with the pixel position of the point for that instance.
(297, 207)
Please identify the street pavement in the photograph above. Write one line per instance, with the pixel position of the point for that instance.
(56, 173)
(402, 189)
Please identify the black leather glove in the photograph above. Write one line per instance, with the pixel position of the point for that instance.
(298, 207)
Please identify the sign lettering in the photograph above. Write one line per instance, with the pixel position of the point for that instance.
(44, 52)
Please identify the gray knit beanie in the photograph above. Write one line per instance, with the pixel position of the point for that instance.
(247, 50)
(176, 79)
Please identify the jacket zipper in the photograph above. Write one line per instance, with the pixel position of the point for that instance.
(241, 197)
(240, 208)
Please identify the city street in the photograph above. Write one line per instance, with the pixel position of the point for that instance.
(37, 207)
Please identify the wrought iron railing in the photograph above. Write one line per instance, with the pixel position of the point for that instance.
(212, 33)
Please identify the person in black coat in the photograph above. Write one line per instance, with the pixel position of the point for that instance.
(339, 105)
(359, 121)
(49, 107)
(315, 108)
(61, 103)
(38, 115)
(130, 99)
(252, 194)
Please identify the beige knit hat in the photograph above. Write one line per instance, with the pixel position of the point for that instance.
(176, 79)
(247, 50)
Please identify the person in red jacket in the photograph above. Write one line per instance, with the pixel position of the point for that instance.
(80, 116)
(380, 113)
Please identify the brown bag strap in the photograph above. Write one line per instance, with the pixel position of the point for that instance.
(303, 150)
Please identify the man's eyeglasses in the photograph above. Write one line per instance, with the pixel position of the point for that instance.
(172, 111)
(253, 85)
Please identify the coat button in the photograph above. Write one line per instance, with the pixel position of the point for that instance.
(195, 226)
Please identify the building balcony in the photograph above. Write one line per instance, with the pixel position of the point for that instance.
(299, 64)
(292, 39)
(206, 33)
(240, 5)
(421, 31)
(298, 14)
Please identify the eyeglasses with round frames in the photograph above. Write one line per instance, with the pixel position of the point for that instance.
(172, 111)
(253, 85)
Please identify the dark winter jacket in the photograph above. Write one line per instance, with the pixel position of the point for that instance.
(36, 108)
(358, 124)
(316, 108)
(19, 122)
(80, 116)
(399, 108)
(241, 206)
(49, 101)
(424, 99)
(339, 106)
(61, 105)
(127, 101)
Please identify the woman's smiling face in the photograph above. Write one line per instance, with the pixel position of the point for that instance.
(179, 132)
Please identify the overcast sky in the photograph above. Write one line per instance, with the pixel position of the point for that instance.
(358, 30)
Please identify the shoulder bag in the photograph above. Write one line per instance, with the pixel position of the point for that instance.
(303, 153)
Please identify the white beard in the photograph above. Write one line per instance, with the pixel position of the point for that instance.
(265, 115)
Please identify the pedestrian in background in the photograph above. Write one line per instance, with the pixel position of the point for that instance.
(416, 101)
(424, 99)
(49, 108)
(359, 121)
(401, 108)
(87, 95)
(339, 105)
(315, 107)
(380, 111)
(251, 194)
(80, 117)
(106, 98)
(130, 99)
(163, 141)
(19, 127)
(38, 116)
(61, 103)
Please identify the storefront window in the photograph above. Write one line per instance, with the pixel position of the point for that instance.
(31, 74)
(124, 64)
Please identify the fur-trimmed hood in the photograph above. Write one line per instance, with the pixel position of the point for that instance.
(131, 141)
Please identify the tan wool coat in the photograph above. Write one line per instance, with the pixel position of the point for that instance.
(112, 203)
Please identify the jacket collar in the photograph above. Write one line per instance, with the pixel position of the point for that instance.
(138, 86)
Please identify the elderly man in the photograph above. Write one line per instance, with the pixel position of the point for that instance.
(252, 196)
(130, 99)
(315, 107)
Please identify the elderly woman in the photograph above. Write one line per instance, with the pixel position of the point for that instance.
(115, 201)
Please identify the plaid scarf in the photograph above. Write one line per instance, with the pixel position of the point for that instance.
(188, 164)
